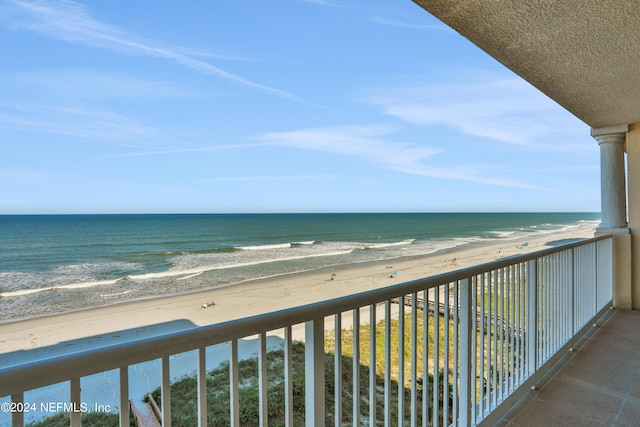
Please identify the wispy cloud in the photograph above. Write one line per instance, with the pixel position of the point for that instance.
(322, 3)
(72, 22)
(410, 25)
(81, 103)
(190, 150)
(382, 16)
(16, 178)
(363, 142)
(375, 144)
(83, 122)
(48, 180)
(270, 178)
(82, 84)
(504, 109)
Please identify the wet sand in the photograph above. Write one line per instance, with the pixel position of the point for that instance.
(153, 316)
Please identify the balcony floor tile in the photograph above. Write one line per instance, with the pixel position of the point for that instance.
(599, 384)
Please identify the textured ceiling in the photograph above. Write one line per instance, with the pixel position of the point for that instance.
(584, 54)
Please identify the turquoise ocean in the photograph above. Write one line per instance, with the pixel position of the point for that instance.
(56, 263)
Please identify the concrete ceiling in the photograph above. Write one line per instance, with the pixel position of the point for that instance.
(584, 54)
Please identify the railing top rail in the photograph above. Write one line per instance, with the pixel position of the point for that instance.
(34, 374)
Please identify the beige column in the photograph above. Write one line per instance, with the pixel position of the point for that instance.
(612, 141)
(612, 182)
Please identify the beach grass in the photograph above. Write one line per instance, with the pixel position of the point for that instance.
(183, 391)
(380, 344)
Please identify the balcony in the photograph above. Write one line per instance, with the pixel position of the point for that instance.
(471, 344)
(596, 384)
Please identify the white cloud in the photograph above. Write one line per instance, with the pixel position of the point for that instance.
(355, 141)
(373, 144)
(189, 150)
(86, 84)
(497, 108)
(71, 22)
(322, 3)
(75, 121)
(270, 178)
(411, 26)
(19, 178)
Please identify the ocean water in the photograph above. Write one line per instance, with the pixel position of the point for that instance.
(55, 263)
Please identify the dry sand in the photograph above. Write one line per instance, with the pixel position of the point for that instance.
(48, 336)
(102, 325)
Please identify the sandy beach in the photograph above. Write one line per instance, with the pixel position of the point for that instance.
(48, 336)
(101, 325)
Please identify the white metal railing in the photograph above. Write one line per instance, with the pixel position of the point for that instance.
(460, 347)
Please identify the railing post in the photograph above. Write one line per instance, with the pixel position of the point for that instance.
(466, 353)
(401, 360)
(17, 417)
(356, 364)
(75, 403)
(337, 367)
(414, 359)
(234, 394)
(387, 363)
(436, 356)
(596, 281)
(532, 317)
(124, 396)
(314, 373)
(372, 362)
(202, 387)
(573, 307)
(165, 391)
(288, 377)
(595, 278)
(263, 413)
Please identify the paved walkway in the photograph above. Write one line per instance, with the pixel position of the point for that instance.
(599, 385)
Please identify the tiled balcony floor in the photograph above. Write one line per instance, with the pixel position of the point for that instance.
(597, 385)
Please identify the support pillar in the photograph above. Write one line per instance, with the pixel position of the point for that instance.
(612, 181)
(613, 190)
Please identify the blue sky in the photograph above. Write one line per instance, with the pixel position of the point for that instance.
(272, 106)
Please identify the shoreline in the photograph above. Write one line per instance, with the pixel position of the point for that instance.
(155, 315)
(581, 231)
(22, 341)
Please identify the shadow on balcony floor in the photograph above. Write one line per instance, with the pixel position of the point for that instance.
(597, 385)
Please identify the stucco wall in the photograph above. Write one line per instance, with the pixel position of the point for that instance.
(633, 197)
